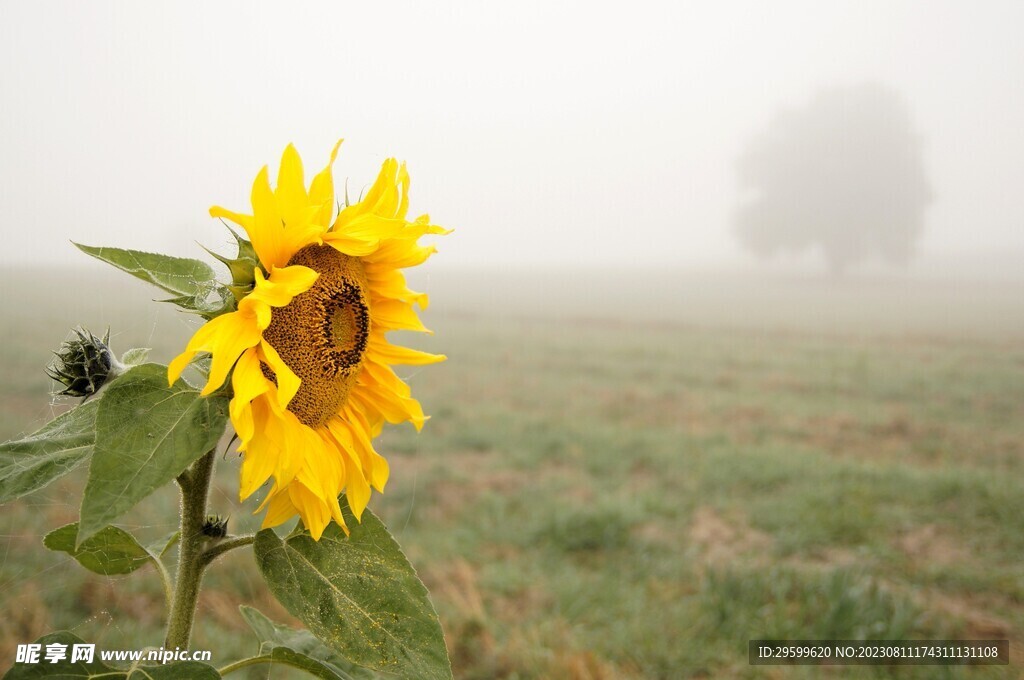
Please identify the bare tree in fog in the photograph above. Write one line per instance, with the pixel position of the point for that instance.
(844, 173)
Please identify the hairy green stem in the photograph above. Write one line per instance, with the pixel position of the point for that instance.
(223, 546)
(195, 487)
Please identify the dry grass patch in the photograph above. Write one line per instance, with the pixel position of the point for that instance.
(585, 666)
(721, 541)
(932, 545)
(26, 618)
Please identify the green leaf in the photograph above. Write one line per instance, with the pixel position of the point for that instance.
(146, 434)
(135, 356)
(112, 551)
(55, 450)
(359, 595)
(65, 670)
(211, 301)
(202, 364)
(300, 649)
(159, 548)
(176, 275)
(192, 282)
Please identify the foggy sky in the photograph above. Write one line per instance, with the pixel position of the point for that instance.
(545, 133)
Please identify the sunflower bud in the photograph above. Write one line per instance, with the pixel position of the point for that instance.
(242, 267)
(215, 526)
(83, 364)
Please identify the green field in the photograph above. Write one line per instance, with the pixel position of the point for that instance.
(606, 491)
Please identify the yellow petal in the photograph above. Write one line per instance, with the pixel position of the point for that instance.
(257, 467)
(178, 365)
(284, 284)
(387, 353)
(401, 253)
(357, 490)
(336, 514)
(314, 511)
(244, 221)
(333, 452)
(369, 227)
(390, 395)
(361, 431)
(292, 200)
(347, 245)
(263, 452)
(382, 375)
(279, 510)
(403, 181)
(294, 446)
(277, 449)
(321, 191)
(397, 315)
(381, 472)
(248, 382)
(287, 382)
(277, 291)
(328, 479)
(386, 282)
(381, 194)
(266, 233)
(225, 337)
(392, 407)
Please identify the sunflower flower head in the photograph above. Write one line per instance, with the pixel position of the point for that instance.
(215, 526)
(83, 364)
(306, 348)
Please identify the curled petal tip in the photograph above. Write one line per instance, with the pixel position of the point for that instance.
(334, 151)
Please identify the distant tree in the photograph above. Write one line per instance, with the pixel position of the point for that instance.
(844, 173)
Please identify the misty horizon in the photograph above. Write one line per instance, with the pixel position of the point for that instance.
(613, 145)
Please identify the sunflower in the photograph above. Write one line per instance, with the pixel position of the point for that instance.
(306, 347)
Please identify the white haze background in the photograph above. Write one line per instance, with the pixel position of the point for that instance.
(588, 134)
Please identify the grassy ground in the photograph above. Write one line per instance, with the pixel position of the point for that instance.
(617, 498)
